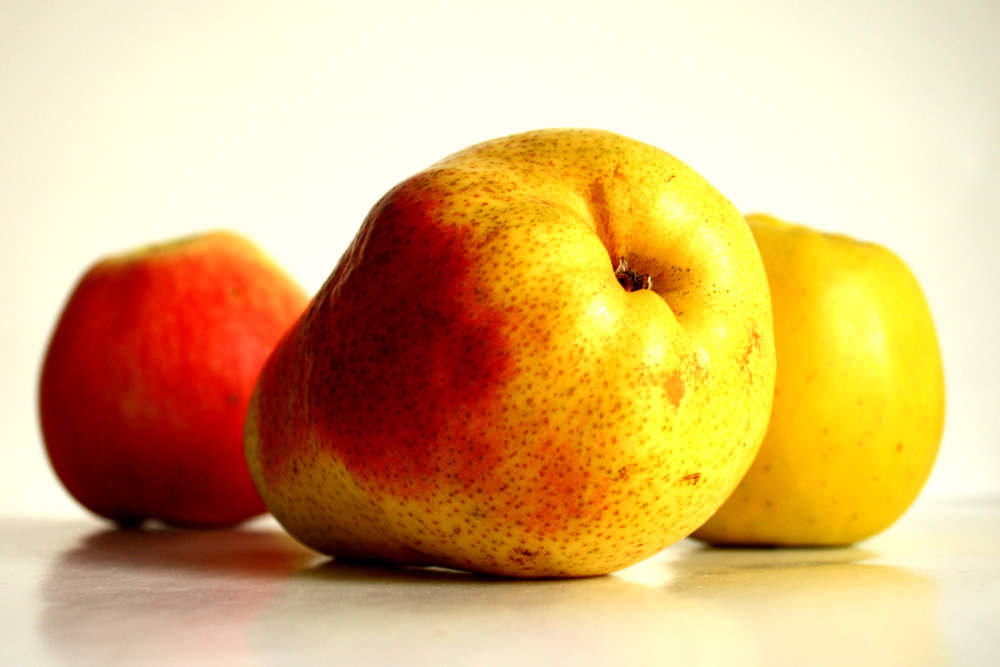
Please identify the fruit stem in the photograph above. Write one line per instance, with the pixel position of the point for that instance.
(630, 279)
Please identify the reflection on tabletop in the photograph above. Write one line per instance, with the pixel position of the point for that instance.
(256, 593)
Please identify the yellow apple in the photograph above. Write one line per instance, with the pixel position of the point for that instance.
(549, 354)
(859, 398)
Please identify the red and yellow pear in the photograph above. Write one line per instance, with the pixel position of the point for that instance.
(549, 354)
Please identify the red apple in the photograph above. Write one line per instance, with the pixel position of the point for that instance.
(148, 375)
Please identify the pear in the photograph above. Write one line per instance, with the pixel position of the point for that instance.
(547, 355)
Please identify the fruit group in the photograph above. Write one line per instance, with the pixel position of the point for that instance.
(549, 354)
(148, 374)
(859, 398)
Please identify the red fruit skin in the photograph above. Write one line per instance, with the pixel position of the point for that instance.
(148, 374)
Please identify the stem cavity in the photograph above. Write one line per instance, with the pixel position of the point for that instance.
(630, 279)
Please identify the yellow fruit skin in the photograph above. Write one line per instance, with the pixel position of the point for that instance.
(859, 397)
(473, 388)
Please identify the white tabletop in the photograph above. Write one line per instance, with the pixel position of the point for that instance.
(75, 591)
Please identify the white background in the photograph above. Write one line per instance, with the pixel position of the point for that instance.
(124, 122)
